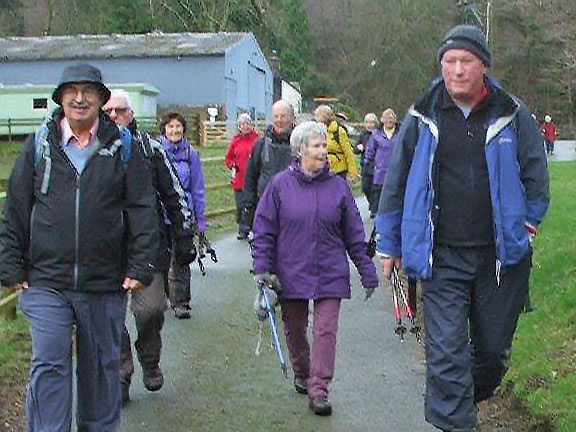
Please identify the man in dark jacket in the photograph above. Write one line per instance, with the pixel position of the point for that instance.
(148, 304)
(270, 155)
(466, 187)
(76, 192)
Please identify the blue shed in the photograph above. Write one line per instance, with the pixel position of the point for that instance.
(224, 70)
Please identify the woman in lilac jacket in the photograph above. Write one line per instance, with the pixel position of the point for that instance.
(186, 161)
(306, 225)
(379, 152)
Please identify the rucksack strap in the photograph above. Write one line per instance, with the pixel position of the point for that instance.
(42, 151)
(126, 148)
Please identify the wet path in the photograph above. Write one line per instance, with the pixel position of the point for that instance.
(214, 382)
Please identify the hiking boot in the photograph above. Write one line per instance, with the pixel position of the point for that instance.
(300, 386)
(153, 379)
(125, 394)
(182, 312)
(320, 405)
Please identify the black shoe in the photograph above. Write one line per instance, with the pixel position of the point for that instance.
(300, 386)
(320, 406)
(153, 379)
(181, 312)
(125, 394)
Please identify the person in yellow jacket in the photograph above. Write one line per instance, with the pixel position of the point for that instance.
(340, 153)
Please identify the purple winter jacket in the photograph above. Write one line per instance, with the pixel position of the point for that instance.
(186, 162)
(303, 229)
(379, 152)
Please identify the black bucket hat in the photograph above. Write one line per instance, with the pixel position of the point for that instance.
(81, 73)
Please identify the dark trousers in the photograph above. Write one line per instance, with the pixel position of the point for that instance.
(374, 200)
(243, 228)
(316, 365)
(179, 284)
(98, 319)
(470, 322)
(549, 146)
(367, 185)
(147, 306)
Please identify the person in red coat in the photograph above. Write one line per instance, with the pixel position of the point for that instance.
(549, 131)
(236, 159)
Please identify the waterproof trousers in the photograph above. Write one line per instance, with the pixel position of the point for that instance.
(147, 305)
(316, 366)
(374, 200)
(98, 319)
(243, 228)
(179, 284)
(470, 320)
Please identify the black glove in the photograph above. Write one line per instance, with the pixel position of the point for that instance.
(269, 280)
(185, 251)
(369, 291)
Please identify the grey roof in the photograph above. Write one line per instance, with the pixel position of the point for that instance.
(155, 44)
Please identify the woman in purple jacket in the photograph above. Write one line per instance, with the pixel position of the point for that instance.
(186, 161)
(378, 153)
(305, 225)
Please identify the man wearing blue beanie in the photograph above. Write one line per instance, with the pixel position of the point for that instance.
(466, 190)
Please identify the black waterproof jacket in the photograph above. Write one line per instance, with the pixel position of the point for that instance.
(270, 155)
(68, 231)
(170, 198)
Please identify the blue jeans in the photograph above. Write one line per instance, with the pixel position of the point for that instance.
(98, 321)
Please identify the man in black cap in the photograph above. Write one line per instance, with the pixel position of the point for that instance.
(466, 189)
(76, 193)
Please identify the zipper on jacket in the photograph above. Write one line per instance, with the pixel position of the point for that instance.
(77, 232)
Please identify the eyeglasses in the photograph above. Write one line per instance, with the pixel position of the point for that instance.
(119, 111)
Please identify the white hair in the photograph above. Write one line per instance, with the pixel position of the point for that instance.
(244, 118)
(303, 133)
(547, 119)
(370, 117)
(119, 93)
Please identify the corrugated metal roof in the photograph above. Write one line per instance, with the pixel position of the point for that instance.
(80, 47)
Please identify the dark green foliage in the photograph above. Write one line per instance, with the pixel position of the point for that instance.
(11, 18)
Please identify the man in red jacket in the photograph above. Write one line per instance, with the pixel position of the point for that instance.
(236, 159)
(549, 132)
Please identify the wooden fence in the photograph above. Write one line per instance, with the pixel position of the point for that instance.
(219, 202)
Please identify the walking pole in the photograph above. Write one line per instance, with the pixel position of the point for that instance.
(274, 330)
(400, 328)
(400, 295)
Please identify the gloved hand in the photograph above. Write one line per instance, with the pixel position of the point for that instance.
(185, 251)
(369, 291)
(268, 280)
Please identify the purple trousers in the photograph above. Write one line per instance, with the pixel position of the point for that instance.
(317, 367)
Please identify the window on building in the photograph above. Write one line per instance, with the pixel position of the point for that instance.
(40, 103)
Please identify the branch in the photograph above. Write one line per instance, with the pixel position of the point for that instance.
(170, 9)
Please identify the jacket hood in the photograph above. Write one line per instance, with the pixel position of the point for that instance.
(333, 127)
(504, 104)
(295, 169)
(107, 133)
(281, 138)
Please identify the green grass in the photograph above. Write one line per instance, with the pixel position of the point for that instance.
(543, 363)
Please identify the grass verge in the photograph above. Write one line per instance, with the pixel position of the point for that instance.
(14, 365)
(543, 365)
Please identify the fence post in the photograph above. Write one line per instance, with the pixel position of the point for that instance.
(10, 129)
(9, 311)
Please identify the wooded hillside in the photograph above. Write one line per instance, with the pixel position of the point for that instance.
(369, 53)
